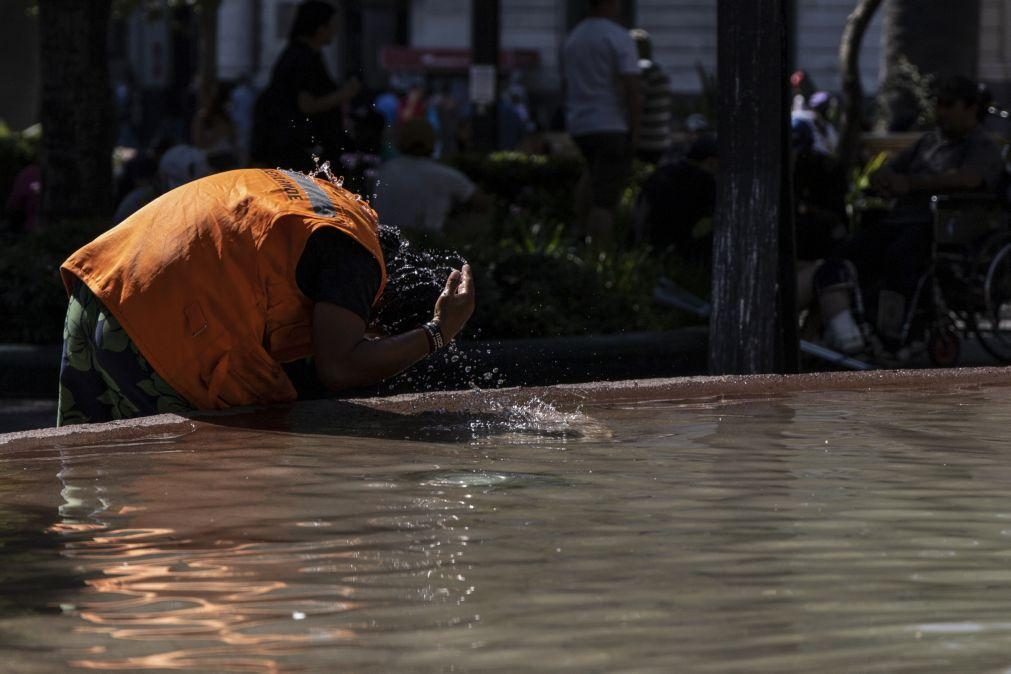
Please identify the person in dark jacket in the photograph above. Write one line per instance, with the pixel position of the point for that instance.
(299, 113)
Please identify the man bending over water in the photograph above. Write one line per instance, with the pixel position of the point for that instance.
(196, 301)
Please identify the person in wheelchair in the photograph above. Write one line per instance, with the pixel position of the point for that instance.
(957, 156)
(826, 281)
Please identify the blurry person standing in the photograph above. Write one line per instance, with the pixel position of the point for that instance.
(299, 113)
(600, 71)
(657, 99)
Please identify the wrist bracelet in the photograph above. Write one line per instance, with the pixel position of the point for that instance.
(434, 334)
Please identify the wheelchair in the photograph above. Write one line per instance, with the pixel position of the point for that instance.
(965, 290)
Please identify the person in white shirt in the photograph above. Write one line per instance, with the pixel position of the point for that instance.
(600, 71)
(416, 192)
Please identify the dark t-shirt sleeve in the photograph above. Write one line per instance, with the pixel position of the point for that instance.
(337, 269)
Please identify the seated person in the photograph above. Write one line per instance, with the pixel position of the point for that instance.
(416, 192)
(675, 208)
(957, 156)
(819, 190)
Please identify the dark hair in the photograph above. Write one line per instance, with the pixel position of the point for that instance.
(309, 16)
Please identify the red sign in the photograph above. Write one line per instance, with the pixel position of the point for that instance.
(438, 59)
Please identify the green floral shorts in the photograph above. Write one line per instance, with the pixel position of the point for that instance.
(102, 374)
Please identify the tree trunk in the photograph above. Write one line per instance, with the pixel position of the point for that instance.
(852, 87)
(753, 327)
(76, 109)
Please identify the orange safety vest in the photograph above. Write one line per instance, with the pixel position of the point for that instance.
(203, 279)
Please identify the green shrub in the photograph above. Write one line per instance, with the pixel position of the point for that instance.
(535, 278)
(537, 184)
(539, 282)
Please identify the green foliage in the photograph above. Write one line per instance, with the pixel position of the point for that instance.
(535, 278)
(905, 96)
(860, 180)
(544, 285)
(32, 299)
(535, 183)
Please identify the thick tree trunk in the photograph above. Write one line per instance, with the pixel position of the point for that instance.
(753, 328)
(852, 87)
(76, 109)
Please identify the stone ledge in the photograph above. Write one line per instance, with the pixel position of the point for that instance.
(307, 415)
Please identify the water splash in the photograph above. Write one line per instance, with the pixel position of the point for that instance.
(486, 480)
(527, 422)
(323, 170)
(415, 278)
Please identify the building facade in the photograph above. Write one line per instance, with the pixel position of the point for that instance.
(252, 34)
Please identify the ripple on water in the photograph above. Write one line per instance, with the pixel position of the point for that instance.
(722, 538)
(485, 479)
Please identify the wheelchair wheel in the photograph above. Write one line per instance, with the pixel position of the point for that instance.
(992, 324)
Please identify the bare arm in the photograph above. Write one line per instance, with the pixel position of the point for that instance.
(346, 358)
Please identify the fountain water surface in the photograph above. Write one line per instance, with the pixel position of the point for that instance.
(843, 523)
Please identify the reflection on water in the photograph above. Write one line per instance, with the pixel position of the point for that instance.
(841, 531)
